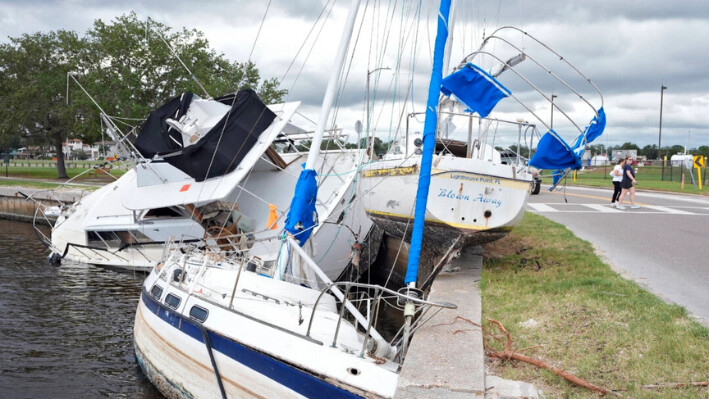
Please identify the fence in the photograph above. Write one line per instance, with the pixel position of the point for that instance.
(655, 171)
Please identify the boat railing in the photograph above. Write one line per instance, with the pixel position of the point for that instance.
(475, 146)
(371, 296)
(349, 309)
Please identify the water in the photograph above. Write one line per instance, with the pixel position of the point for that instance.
(65, 332)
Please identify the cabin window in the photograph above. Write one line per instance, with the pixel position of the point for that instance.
(172, 301)
(199, 313)
(163, 213)
(156, 291)
(114, 239)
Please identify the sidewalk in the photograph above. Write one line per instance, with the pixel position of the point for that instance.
(446, 358)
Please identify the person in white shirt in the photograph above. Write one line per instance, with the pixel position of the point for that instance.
(617, 174)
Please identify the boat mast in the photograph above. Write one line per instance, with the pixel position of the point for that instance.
(302, 215)
(332, 84)
(429, 145)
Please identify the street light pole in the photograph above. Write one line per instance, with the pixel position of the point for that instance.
(551, 122)
(659, 140)
(659, 136)
(370, 141)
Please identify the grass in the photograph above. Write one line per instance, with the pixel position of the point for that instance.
(551, 290)
(47, 173)
(29, 183)
(648, 177)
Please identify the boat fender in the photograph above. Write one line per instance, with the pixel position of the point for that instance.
(55, 259)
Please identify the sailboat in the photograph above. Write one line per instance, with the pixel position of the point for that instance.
(210, 324)
(209, 169)
(476, 195)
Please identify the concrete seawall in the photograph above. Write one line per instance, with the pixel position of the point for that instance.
(14, 204)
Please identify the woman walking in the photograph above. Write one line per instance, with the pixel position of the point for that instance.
(627, 184)
(617, 174)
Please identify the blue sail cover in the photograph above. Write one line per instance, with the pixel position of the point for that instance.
(302, 215)
(475, 88)
(555, 154)
(429, 143)
(594, 129)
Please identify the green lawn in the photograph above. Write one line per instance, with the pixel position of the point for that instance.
(559, 300)
(648, 177)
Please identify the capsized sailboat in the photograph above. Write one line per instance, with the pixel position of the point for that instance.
(210, 170)
(247, 326)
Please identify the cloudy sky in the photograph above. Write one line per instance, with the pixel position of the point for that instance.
(628, 48)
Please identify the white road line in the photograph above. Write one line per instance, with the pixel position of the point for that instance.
(646, 209)
(602, 208)
(542, 207)
(668, 210)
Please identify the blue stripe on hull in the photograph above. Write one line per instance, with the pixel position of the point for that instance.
(297, 380)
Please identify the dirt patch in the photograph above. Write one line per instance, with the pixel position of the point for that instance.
(508, 245)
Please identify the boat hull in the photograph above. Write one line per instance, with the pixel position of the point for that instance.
(170, 349)
(475, 200)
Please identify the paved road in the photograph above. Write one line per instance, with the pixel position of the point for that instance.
(664, 245)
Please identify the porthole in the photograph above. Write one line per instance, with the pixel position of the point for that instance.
(172, 301)
(353, 371)
(156, 291)
(199, 313)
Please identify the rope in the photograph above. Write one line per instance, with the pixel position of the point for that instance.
(259, 30)
(306, 39)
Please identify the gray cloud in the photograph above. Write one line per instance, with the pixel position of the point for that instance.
(628, 48)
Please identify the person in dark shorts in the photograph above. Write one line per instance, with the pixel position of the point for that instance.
(627, 183)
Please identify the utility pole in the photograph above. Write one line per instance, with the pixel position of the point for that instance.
(659, 140)
(551, 122)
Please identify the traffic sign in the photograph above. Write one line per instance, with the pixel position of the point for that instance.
(699, 161)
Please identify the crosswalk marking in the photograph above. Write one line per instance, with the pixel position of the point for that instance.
(668, 210)
(542, 207)
(646, 209)
(602, 208)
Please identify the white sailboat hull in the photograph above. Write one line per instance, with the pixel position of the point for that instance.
(104, 211)
(259, 340)
(479, 201)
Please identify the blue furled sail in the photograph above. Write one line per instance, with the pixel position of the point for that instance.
(553, 153)
(429, 143)
(474, 88)
(303, 216)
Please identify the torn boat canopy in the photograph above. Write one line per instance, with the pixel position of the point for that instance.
(205, 138)
(183, 189)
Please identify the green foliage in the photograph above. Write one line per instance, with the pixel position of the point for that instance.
(124, 65)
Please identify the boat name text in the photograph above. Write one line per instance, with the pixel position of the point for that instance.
(446, 193)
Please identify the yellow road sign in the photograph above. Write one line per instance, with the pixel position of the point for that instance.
(699, 161)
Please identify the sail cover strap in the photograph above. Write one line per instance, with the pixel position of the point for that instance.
(474, 88)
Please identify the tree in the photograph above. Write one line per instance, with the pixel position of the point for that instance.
(125, 67)
(649, 151)
(131, 70)
(675, 149)
(629, 146)
(34, 93)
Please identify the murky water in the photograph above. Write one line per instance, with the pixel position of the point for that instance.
(65, 332)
